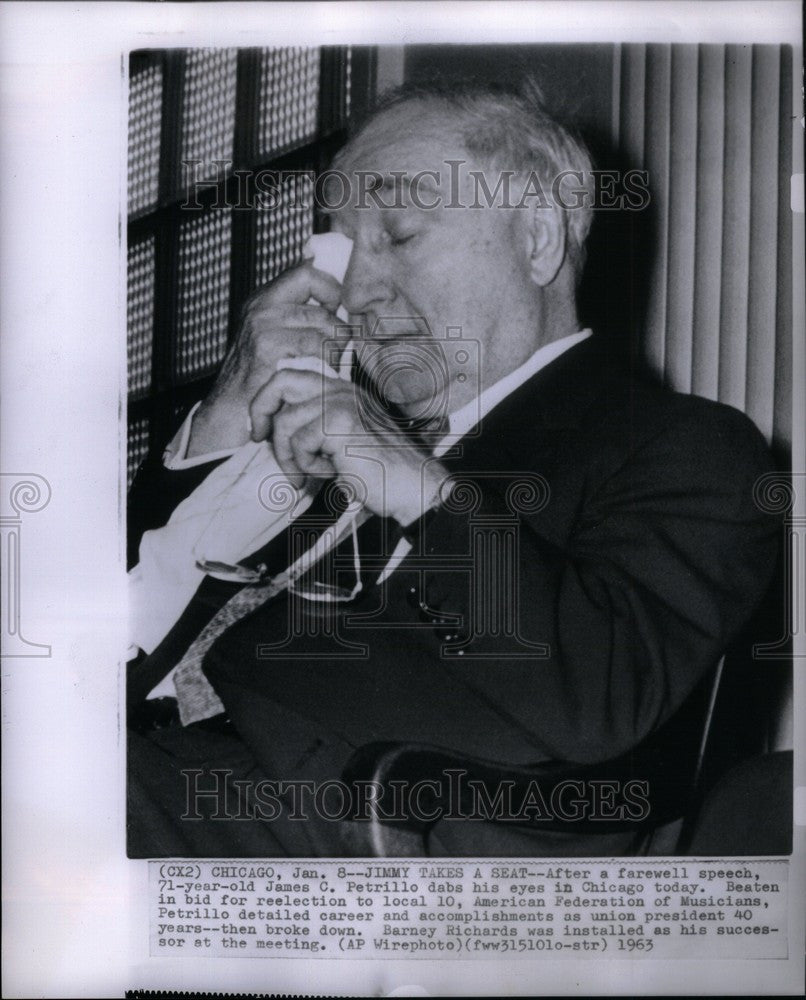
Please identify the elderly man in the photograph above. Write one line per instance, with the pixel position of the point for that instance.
(540, 557)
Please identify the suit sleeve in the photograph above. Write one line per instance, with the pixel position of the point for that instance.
(667, 558)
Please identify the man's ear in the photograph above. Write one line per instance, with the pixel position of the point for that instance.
(547, 242)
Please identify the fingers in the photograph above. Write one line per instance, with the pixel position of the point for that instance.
(298, 342)
(304, 282)
(286, 386)
(285, 425)
(292, 315)
(306, 455)
(298, 441)
(290, 410)
(301, 297)
(310, 315)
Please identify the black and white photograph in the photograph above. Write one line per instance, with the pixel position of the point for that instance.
(459, 415)
(403, 498)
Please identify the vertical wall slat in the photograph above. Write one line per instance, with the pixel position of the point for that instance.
(736, 231)
(632, 99)
(782, 407)
(708, 198)
(781, 734)
(763, 238)
(681, 217)
(630, 111)
(656, 144)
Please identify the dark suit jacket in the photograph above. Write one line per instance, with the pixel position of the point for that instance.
(626, 574)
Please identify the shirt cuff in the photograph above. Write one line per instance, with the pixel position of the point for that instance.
(174, 456)
(414, 531)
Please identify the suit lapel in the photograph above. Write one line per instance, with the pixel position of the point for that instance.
(524, 430)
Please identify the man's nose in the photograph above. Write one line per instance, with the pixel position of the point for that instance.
(367, 283)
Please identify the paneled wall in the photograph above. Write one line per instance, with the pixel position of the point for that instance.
(711, 124)
(203, 124)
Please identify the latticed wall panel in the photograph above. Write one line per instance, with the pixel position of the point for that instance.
(140, 314)
(283, 229)
(145, 113)
(348, 82)
(137, 446)
(208, 113)
(289, 92)
(189, 270)
(205, 246)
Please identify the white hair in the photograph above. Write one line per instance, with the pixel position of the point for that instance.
(509, 130)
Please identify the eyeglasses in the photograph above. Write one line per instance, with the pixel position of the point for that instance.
(319, 592)
(329, 593)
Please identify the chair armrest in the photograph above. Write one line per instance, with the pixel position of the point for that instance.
(417, 784)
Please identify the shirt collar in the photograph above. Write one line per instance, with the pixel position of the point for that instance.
(466, 418)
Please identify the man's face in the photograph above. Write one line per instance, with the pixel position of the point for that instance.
(418, 273)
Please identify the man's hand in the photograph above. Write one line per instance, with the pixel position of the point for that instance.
(276, 323)
(322, 433)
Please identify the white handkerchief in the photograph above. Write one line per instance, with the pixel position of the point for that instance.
(224, 519)
(239, 507)
(331, 253)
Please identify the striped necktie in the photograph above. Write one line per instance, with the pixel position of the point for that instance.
(196, 697)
